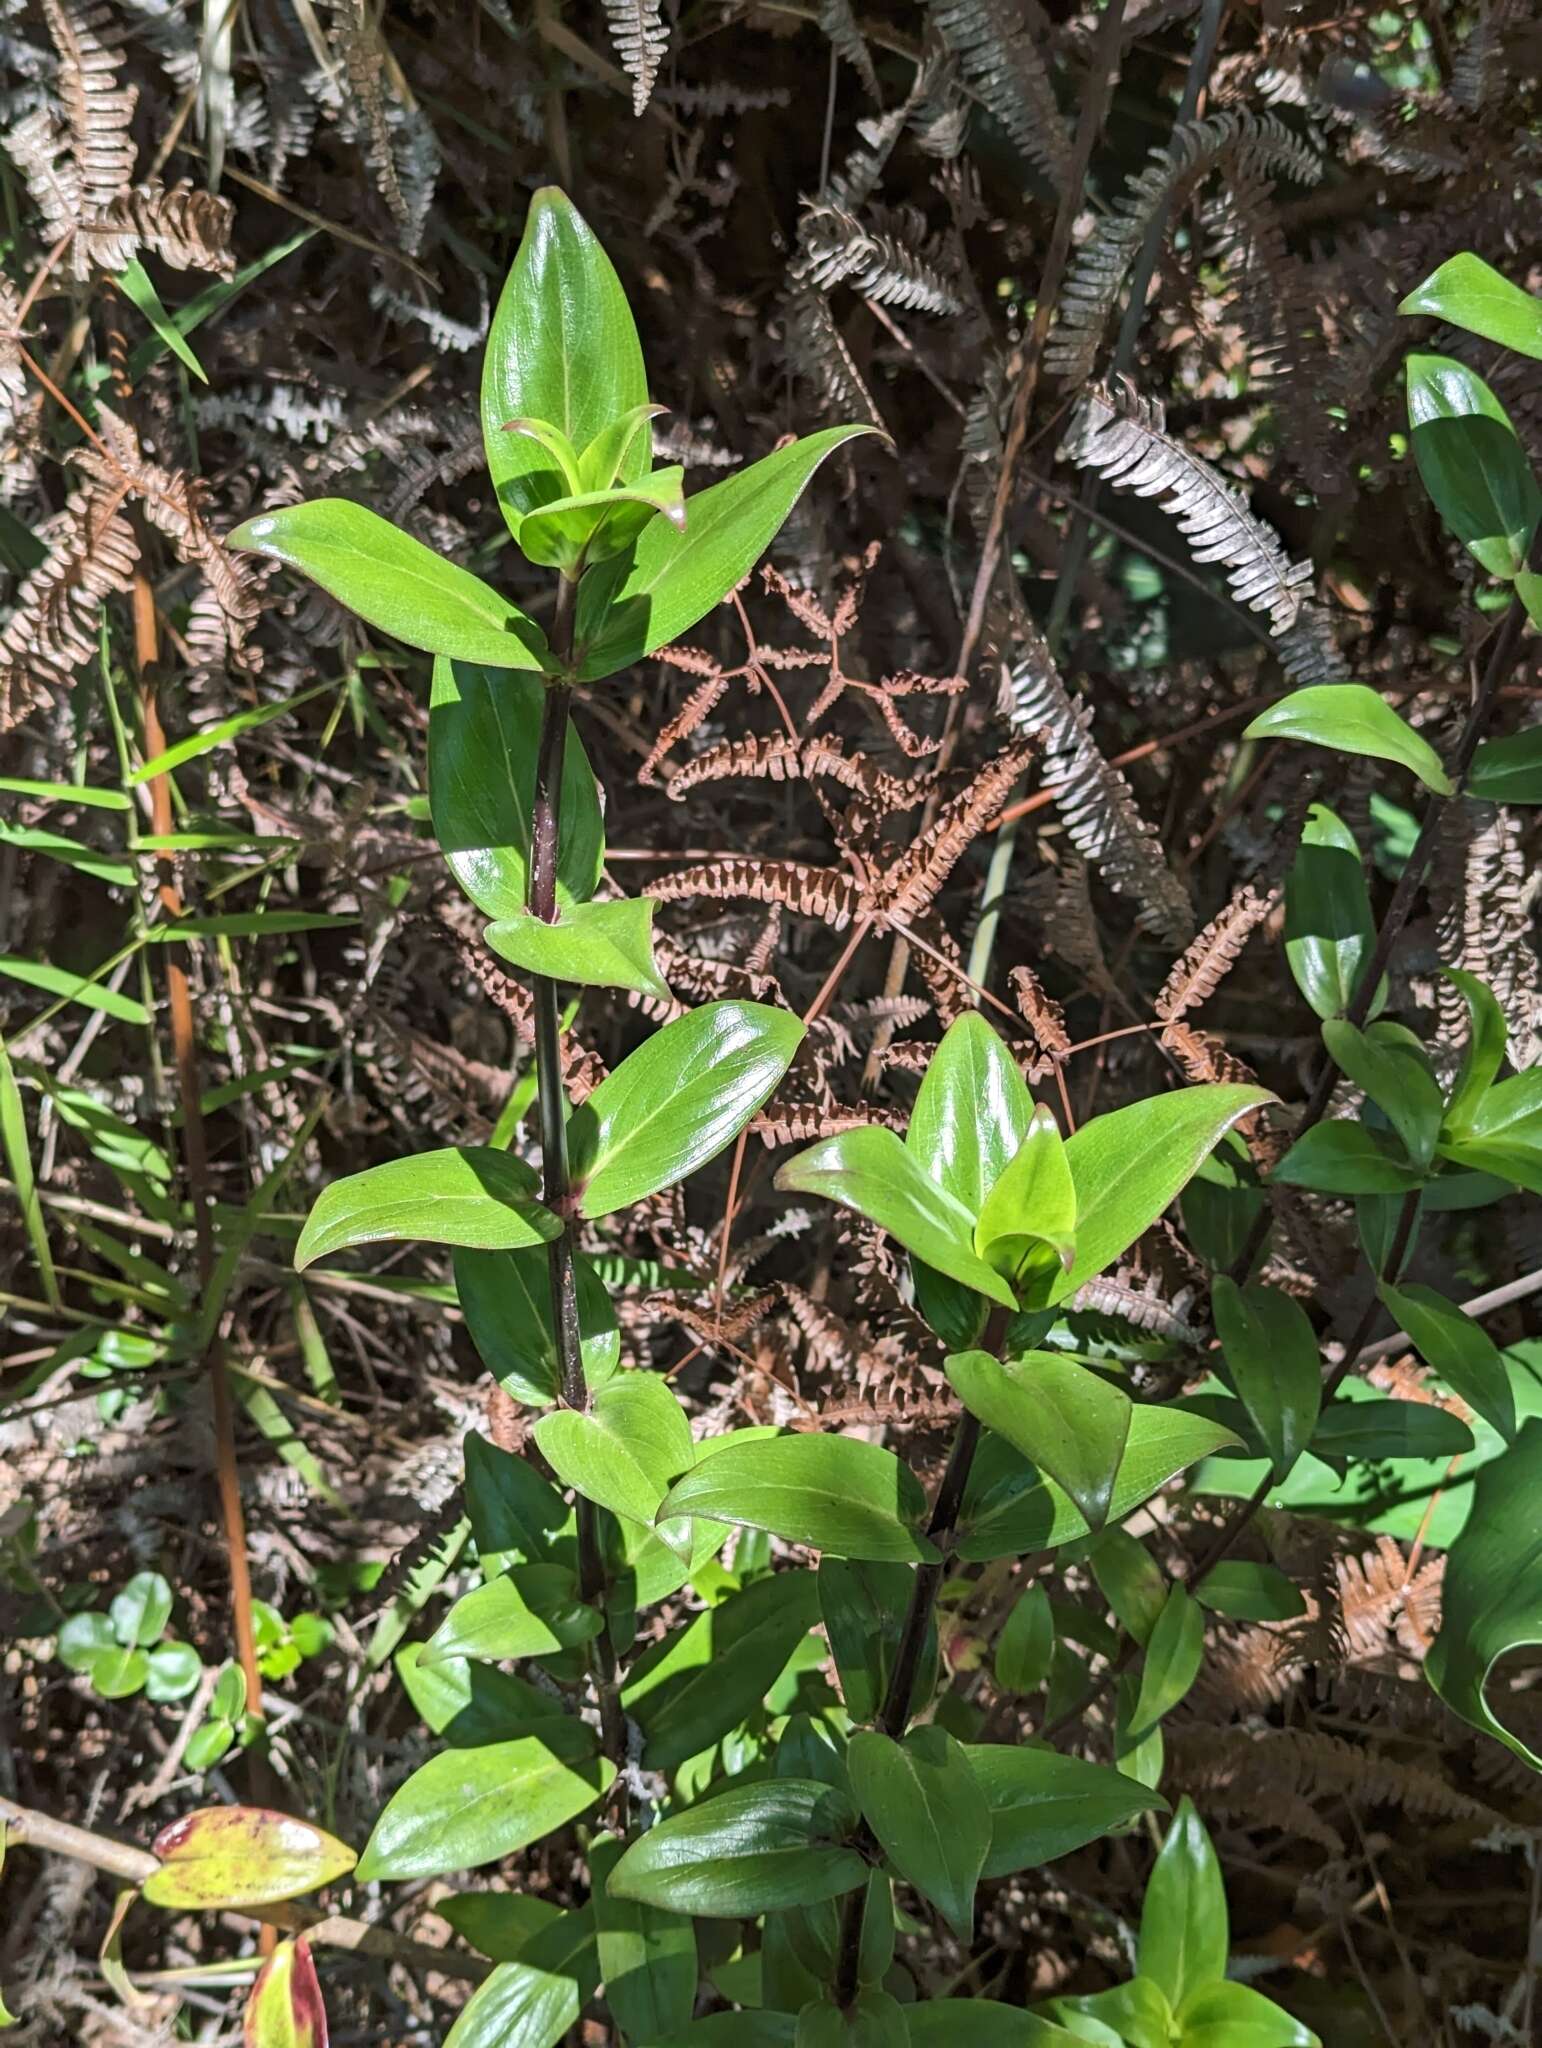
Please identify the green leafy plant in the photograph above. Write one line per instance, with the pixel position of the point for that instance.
(125, 1650)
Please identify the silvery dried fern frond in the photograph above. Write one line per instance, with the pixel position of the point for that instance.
(1124, 438)
(637, 29)
(998, 44)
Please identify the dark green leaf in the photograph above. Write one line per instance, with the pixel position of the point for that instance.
(473, 1705)
(1491, 1600)
(651, 595)
(625, 1451)
(500, 1924)
(1130, 1580)
(1471, 462)
(647, 1957)
(752, 1849)
(139, 1613)
(467, 1195)
(1026, 1640)
(1389, 1429)
(1460, 1350)
(1236, 2016)
(593, 945)
(1351, 719)
(921, 1800)
(1508, 771)
(712, 1672)
(1069, 1421)
(1330, 934)
(981, 2023)
(392, 581)
(971, 1114)
(832, 1493)
(534, 2001)
(737, 2030)
(563, 348)
(532, 1611)
(863, 1606)
(1171, 1665)
(1274, 1364)
(1394, 1070)
(1347, 1158)
(483, 734)
(1243, 1591)
(514, 1512)
(506, 1300)
(869, 1170)
(874, 2019)
(1486, 1039)
(677, 1101)
(1184, 1931)
(1470, 293)
(470, 1806)
(1044, 1805)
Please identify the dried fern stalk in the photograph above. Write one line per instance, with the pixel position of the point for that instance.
(1124, 438)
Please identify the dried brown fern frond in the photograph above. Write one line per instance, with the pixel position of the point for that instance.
(92, 555)
(780, 759)
(897, 264)
(1040, 1012)
(1206, 964)
(800, 886)
(1124, 438)
(1309, 1764)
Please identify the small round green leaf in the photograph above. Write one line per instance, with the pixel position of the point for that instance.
(141, 1611)
(175, 1669)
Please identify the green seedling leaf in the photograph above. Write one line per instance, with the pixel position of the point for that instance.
(483, 735)
(141, 1611)
(532, 1611)
(869, 1170)
(1184, 1930)
(606, 457)
(1244, 1591)
(563, 349)
(1237, 2016)
(136, 286)
(1133, 2015)
(1460, 1350)
(117, 1674)
(705, 1677)
(591, 527)
(1027, 1225)
(285, 2008)
(1274, 1363)
(1491, 1599)
(1352, 719)
(1044, 1805)
(1487, 1036)
(468, 1195)
(1348, 1158)
(392, 581)
(1330, 935)
(668, 580)
(752, 1849)
(625, 1451)
(82, 1639)
(1472, 464)
(1508, 771)
(1128, 1165)
(466, 1807)
(536, 2000)
(1470, 293)
(832, 1493)
(647, 1957)
(1172, 1661)
(972, 1112)
(595, 945)
(241, 1856)
(863, 1606)
(1068, 1420)
(1026, 1642)
(174, 1672)
(921, 1800)
(1394, 1070)
(555, 444)
(677, 1101)
(505, 1297)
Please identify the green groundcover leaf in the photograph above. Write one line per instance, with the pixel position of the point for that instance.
(1470, 293)
(392, 581)
(466, 1195)
(832, 1493)
(752, 1849)
(1351, 719)
(594, 945)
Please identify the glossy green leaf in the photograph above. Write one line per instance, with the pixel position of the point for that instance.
(1491, 1599)
(591, 526)
(1171, 1664)
(669, 580)
(1027, 1226)
(1470, 293)
(285, 2008)
(1460, 1350)
(175, 1669)
(700, 1681)
(82, 1639)
(1071, 1422)
(1237, 2016)
(737, 2030)
(1244, 1591)
(1128, 1166)
(1394, 1071)
(506, 1300)
(466, 1807)
(625, 1451)
(139, 1613)
(981, 2023)
(1184, 1930)
(483, 735)
(677, 1101)
(563, 348)
(1274, 1363)
(752, 1849)
(868, 1169)
(473, 1705)
(241, 1856)
(920, 1798)
(1503, 1134)
(467, 1195)
(972, 1112)
(394, 582)
(874, 2019)
(831, 1493)
(1044, 1805)
(647, 1957)
(532, 1611)
(1487, 1036)
(1024, 1645)
(501, 1925)
(593, 945)
(118, 1673)
(1508, 771)
(1130, 1580)
(863, 1606)
(1351, 719)
(1348, 1158)
(553, 442)
(1330, 935)
(536, 2000)
(1135, 2015)
(612, 453)
(1389, 1428)
(1471, 463)
(514, 1512)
